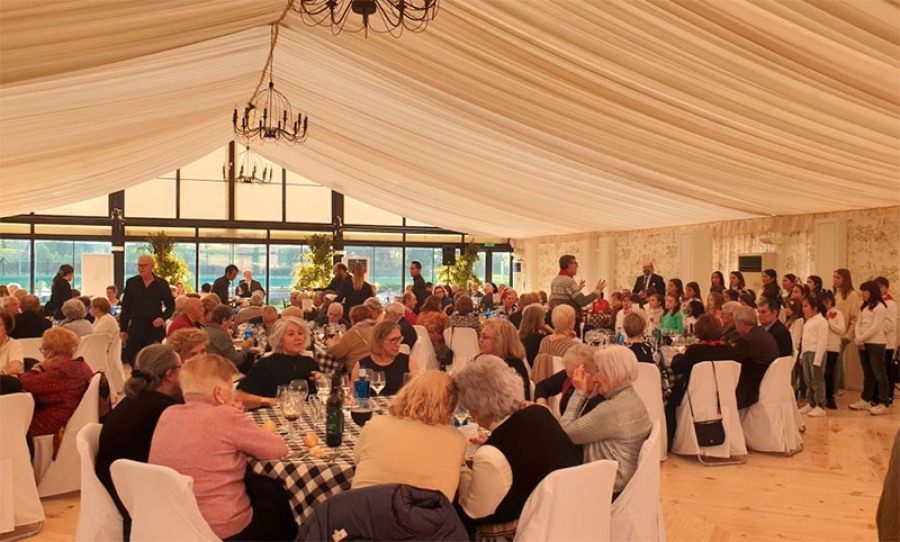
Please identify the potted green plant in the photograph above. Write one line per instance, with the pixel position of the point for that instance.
(167, 264)
(314, 270)
(462, 272)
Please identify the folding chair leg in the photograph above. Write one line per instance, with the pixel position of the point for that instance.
(28, 534)
(731, 460)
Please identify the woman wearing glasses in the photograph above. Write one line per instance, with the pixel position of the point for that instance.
(386, 356)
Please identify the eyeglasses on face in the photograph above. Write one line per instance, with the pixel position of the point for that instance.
(394, 340)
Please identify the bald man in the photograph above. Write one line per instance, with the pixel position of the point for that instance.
(146, 305)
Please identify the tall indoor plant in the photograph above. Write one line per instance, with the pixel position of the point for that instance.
(314, 271)
(462, 272)
(168, 265)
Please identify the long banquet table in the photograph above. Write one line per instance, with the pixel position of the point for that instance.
(310, 480)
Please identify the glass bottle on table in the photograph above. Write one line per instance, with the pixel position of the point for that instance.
(334, 416)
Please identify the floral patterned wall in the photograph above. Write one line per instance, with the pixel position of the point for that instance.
(873, 249)
(635, 248)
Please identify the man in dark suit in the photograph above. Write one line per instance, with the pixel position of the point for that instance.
(420, 289)
(649, 279)
(768, 319)
(247, 286)
(341, 274)
(755, 349)
(222, 285)
(30, 323)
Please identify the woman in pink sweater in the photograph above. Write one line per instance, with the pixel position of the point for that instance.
(209, 439)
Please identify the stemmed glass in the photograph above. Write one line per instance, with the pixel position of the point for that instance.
(377, 381)
(345, 384)
(302, 387)
(460, 415)
(316, 409)
(291, 406)
(361, 412)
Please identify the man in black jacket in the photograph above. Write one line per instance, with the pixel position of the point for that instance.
(420, 289)
(146, 305)
(649, 279)
(755, 349)
(247, 286)
(30, 323)
(222, 285)
(767, 311)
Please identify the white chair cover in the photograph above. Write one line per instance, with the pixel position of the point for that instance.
(423, 351)
(560, 509)
(19, 500)
(702, 392)
(31, 348)
(464, 343)
(115, 373)
(558, 364)
(161, 503)
(93, 348)
(404, 349)
(64, 474)
(637, 513)
(770, 425)
(98, 520)
(649, 389)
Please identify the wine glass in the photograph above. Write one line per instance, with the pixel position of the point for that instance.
(346, 383)
(377, 381)
(291, 405)
(301, 386)
(361, 412)
(323, 387)
(346, 407)
(315, 410)
(460, 415)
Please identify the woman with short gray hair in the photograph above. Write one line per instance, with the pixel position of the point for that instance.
(561, 382)
(75, 313)
(617, 428)
(525, 445)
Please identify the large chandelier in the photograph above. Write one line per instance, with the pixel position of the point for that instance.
(379, 16)
(250, 169)
(269, 115)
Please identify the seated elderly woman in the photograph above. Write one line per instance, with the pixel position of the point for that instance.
(354, 345)
(415, 445)
(12, 355)
(555, 344)
(561, 382)
(465, 316)
(58, 383)
(128, 429)
(375, 307)
(290, 338)
(75, 321)
(188, 342)
(525, 445)
(617, 428)
(209, 438)
(103, 321)
(220, 343)
(386, 356)
(500, 338)
(433, 319)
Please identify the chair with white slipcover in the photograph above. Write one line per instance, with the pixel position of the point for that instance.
(63, 474)
(464, 343)
(31, 348)
(770, 424)
(19, 500)
(150, 492)
(423, 350)
(99, 519)
(115, 373)
(649, 390)
(561, 509)
(636, 516)
(701, 395)
(93, 348)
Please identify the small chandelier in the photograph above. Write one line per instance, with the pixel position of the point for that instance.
(379, 16)
(251, 169)
(276, 121)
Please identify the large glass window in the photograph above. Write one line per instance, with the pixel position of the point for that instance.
(15, 262)
(188, 253)
(385, 269)
(49, 255)
(152, 199)
(214, 258)
(357, 212)
(430, 258)
(252, 258)
(501, 270)
(258, 201)
(204, 199)
(480, 267)
(307, 201)
(283, 259)
(98, 206)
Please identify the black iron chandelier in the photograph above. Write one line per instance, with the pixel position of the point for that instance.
(269, 115)
(250, 168)
(379, 16)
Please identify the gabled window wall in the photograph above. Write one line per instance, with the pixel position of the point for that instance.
(260, 226)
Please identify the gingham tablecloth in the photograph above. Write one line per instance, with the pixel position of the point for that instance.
(308, 480)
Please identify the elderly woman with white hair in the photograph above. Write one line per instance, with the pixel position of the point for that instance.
(75, 321)
(617, 428)
(561, 382)
(290, 338)
(525, 445)
(209, 438)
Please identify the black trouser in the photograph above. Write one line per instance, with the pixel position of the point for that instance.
(892, 379)
(141, 334)
(272, 516)
(830, 366)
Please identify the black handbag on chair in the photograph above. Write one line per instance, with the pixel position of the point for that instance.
(709, 432)
(445, 355)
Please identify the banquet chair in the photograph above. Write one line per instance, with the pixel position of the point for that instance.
(770, 425)
(31, 348)
(558, 364)
(637, 514)
(464, 343)
(570, 504)
(19, 500)
(160, 501)
(404, 349)
(63, 474)
(702, 396)
(649, 390)
(99, 519)
(423, 350)
(115, 371)
(93, 349)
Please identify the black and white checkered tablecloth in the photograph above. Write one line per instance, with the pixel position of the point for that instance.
(309, 480)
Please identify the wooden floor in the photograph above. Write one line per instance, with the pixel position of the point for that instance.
(827, 492)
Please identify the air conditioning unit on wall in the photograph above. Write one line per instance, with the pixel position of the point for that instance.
(752, 265)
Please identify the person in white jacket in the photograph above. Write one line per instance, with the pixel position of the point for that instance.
(871, 341)
(836, 329)
(813, 354)
(891, 333)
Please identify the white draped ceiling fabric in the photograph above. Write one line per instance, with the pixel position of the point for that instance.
(509, 118)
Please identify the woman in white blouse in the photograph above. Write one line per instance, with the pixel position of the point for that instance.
(12, 356)
(871, 341)
(103, 321)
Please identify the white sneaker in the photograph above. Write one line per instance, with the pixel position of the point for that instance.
(805, 409)
(878, 410)
(861, 405)
(818, 412)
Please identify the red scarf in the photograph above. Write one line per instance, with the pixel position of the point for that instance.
(566, 385)
(567, 273)
(887, 298)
